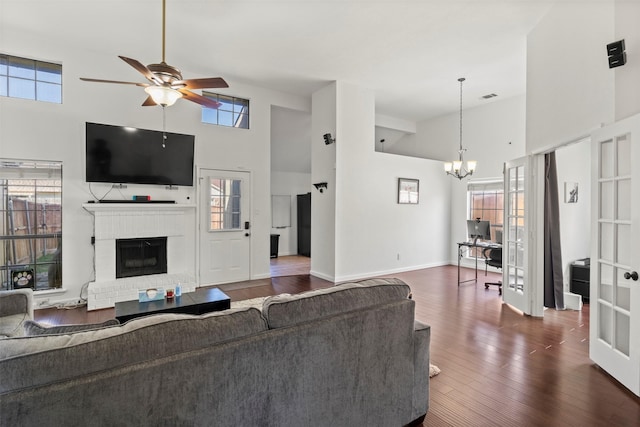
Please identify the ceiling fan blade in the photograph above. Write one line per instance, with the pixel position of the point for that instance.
(149, 102)
(113, 81)
(198, 99)
(142, 69)
(206, 83)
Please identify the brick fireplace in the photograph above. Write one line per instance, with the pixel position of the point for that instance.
(144, 223)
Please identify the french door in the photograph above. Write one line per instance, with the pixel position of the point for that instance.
(515, 239)
(614, 333)
(225, 232)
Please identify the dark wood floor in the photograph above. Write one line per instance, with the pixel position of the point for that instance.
(290, 265)
(499, 368)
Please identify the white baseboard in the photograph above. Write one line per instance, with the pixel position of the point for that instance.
(359, 276)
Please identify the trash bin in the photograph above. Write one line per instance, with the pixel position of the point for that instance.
(275, 239)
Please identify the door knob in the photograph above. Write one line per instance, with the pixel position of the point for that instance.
(633, 275)
(247, 234)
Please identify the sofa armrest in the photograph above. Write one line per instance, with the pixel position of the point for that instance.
(17, 301)
(421, 343)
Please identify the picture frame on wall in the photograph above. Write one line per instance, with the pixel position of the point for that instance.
(408, 191)
(571, 192)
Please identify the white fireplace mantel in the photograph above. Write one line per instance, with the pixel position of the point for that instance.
(143, 207)
(114, 221)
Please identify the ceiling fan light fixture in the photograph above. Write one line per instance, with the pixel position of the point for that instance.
(163, 95)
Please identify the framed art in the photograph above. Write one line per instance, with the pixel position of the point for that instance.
(408, 191)
(571, 192)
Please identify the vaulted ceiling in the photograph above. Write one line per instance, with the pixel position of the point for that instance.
(409, 52)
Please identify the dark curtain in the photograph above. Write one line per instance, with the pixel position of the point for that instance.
(553, 275)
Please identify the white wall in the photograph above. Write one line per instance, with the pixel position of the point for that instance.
(627, 92)
(574, 165)
(375, 234)
(323, 169)
(292, 184)
(570, 88)
(492, 134)
(44, 131)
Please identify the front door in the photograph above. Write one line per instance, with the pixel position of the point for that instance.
(225, 231)
(614, 334)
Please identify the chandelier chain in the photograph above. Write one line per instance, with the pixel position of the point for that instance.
(461, 79)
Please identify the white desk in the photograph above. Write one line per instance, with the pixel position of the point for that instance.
(469, 245)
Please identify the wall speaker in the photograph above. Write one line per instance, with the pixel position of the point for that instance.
(615, 48)
(617, 60)
(616, 53)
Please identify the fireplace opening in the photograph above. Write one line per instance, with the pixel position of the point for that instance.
(141, 257)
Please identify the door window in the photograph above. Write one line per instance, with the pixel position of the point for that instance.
(225, 197)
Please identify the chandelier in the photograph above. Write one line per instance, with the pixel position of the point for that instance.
(457, 168)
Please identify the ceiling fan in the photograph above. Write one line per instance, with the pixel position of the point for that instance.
(166, 84)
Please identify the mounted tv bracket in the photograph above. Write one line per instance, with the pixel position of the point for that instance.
(320, 186)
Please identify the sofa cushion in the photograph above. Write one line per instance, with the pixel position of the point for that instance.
(11, 326)
(32, 327)
(27, 360)
(286, 310)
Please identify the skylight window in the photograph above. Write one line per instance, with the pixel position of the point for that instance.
(30, 79)
(233, 112)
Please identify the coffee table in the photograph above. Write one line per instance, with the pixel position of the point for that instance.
(198, 302)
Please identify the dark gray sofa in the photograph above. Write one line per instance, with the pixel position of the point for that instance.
(350, 355)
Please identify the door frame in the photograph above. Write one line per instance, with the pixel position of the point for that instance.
(536, 245)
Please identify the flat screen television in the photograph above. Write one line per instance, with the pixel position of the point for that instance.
(119, 154)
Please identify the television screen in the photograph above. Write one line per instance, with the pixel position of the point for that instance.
(119, 154)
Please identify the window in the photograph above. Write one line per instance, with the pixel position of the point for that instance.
(30, 225)
(486, 201)
(225, 204)
(233, 112)
(30, 79)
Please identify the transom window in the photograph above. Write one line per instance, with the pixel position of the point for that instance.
(30, 79)
(233, 112)
(30, 225)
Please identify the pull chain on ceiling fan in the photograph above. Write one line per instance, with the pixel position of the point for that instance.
(166, 84)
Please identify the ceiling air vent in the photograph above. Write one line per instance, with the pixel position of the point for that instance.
(489, 96)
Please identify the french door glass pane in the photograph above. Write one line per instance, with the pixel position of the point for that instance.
(606, 159)
(606, 242)
(606, 282)
(622, 333)
(606, 200)
(624, 155)
(624, 244)
(605, 327)
(624, 200)
(623, 290)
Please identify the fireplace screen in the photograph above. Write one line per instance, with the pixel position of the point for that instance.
(140, 257)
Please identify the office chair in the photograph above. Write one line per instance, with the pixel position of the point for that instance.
(494, 260)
